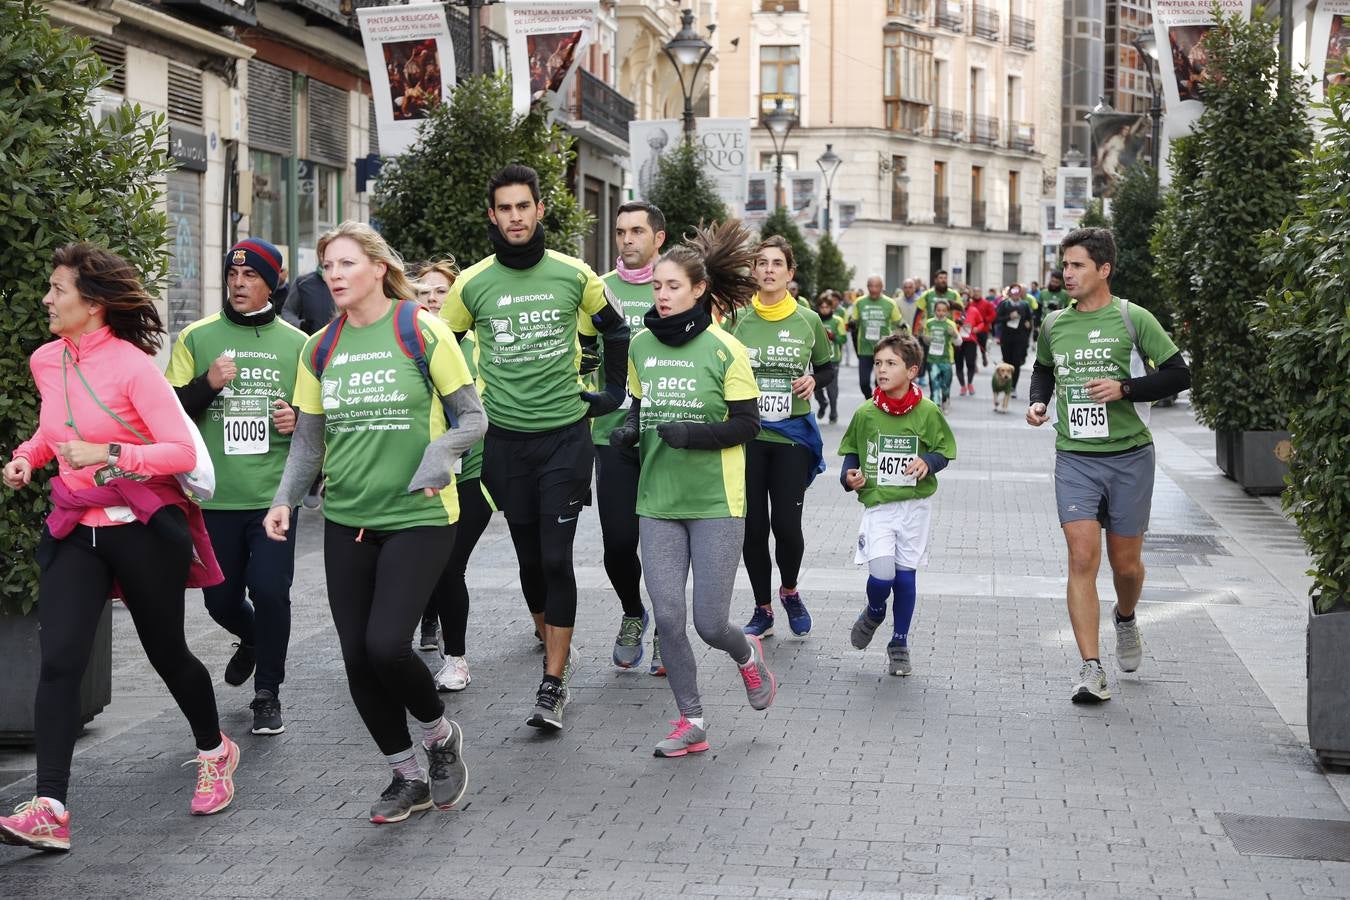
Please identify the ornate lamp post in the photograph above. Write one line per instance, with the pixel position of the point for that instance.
(829, 163)
(779, 122)
(687, 49)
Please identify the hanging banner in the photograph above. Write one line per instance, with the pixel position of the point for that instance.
(412, 68)
(1073, 190)
(758, 197)
(546, 40)
(1118, 139)
(1330, 43)
(805, 198)
(723, 149)
(1179, 27)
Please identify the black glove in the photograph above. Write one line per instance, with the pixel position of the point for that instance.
(623, 437)
(590, 358)
(675, 434)
(604, 402)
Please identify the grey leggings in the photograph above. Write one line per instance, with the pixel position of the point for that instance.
(713, 547)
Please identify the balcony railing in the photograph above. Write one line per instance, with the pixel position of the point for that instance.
(949, 123)
(906, 117)
(984, 130)
(941, 210)
(601, 105)
(1022, 136)
(1015, 218)
(950, 15)
(1022, 32)
(767, 102)
(899, 206)
(984, 23)
(978, 208)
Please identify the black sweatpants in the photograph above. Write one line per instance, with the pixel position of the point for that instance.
(378, 585)
(775, 476)
(965, 362)
(616, 484)
(830, 393)
(450, 598)
(254, 601)
(865, 374)
(150, 563)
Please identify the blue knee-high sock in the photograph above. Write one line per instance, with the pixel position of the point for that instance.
(877, 591)
(906, 592)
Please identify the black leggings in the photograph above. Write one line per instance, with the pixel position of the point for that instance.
(775, 475)
(616, 483)
(965, 362)
(830, 393)
(150, 562)
(378, 585)
(865, 374)
(544, 552)
(450, 598)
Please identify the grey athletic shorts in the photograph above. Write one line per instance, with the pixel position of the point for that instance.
(1117, 491)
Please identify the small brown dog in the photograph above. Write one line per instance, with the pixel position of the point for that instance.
(1002, 382)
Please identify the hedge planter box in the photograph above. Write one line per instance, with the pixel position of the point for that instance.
(19, 664)
(1261, 460)
(1329, 686)
(1225, 444)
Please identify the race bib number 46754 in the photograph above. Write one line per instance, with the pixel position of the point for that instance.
(775, 399)
(897, 452)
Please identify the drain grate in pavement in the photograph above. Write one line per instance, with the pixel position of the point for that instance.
(1323, 839)
(1202, 544)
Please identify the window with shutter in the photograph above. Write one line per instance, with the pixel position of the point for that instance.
(328, 130)
(114, 56)
(373, 144)
(269, 108)
(185, 94)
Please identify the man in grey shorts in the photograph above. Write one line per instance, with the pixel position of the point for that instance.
(1097, 360)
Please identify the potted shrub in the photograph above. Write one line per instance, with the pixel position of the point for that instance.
(67, 178)
(1308, 319)
(1237, 176)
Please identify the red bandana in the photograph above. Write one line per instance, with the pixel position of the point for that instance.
(897, 407)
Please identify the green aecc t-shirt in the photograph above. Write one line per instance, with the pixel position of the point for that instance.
(886, 444)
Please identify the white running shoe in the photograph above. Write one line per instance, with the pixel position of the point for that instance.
(454, 675)
(1129, 644)
(1091, 686)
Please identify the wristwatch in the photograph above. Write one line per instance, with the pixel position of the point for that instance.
(114, 451)
(1126, 389)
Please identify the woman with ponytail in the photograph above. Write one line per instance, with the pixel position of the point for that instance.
(695, 406)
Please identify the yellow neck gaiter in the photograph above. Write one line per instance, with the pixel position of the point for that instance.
(776, 311)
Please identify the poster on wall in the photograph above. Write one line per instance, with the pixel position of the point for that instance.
(1330, 43)
(759, 197)
(412, 68)
(1118, 140)
(1179, 27)
(804, 199)
(1073, 190)
(546, 42)
(722, 145)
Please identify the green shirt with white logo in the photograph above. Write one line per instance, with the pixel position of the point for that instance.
(874, 319)
(379, 416)
(780, 353)
(527, 321)
(690, 383)
(1082, 346)
(929, 298)
(836, 329)
(634, 301)
(472, 464)
(247, 451)
(940, 335)
(1052, 300)
(885, 444)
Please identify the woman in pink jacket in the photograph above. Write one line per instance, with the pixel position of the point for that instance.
(120, 524)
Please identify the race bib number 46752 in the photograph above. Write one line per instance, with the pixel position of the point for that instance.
(897, 452)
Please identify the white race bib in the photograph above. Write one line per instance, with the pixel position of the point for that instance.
(897, 452)
(872, 331)
(937, 344)
(775, 399)
(247, 426)
(1087, 419)
(1015, 320)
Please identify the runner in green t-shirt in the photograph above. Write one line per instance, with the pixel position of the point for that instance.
(234, 373)
(790, 354)
(378, 429)
(836, 329)
(941, 338)
(874, 316)
(928, 299)
(694, 408)
(1053, 296)
(1091, 358)
(527, 304)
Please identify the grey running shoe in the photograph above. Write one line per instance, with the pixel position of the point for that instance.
(760, 685)
(266, 713)
(657, 667)
(548, 707)
(685, 739)
(449, 774)
(401, 799)
(1129, 645)
(1091, 686)
(897, 659)
(573, 661)
(863, 629)
(628, 645)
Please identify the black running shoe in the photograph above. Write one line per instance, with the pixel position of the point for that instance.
(548, 707)
(401, 799)
(431, 635)
(266, 713)
(240, 666)
(449, 774)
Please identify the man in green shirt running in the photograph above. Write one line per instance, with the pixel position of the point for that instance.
(874, 316)
(234, 373)
(928, 300)
(1053, 296)
(1091, 360)
(526, 306)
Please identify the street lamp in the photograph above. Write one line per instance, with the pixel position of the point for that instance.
(1074, 158)
(1147, 46)
(686, 49)
(829, 163)
(779, 122)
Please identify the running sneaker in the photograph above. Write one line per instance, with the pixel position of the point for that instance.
(573, 661)
(266, 713)
(628, 645)
(215, 779)
(548, 707)
(863, 629)
(897, 659)
(685, 739)
(401, 799)
(241, 664)
(1129, 645)
(445, 764)
(760, 685)
(431, 635)
(657, 667)
(454, 675)
(799, 620)
(1091, 686)
(761, 623)
(37, 824)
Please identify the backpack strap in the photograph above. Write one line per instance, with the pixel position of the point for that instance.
(323, 350)
(1050, 320)
(414, 346)
(1149, 368)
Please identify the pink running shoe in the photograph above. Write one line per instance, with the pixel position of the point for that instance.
(215, 779)
(760, 685)
(685, 739)
(36, 824)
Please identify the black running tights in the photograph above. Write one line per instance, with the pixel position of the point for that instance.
(775, 476)
(450, 599)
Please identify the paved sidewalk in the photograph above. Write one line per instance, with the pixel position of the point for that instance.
(975, 777)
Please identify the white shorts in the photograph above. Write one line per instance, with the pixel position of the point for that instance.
(897, 530)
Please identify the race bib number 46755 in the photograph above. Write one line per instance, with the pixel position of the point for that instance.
(897, 452)
(1087, 419)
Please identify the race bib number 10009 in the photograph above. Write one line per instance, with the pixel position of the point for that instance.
(247, 427)
(897, 452)
(1087, 419)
